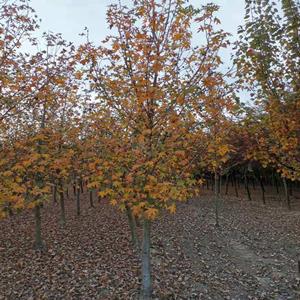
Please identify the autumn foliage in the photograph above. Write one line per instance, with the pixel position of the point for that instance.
(143, 117)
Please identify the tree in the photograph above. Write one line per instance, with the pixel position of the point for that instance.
(216, 114)
(35, 88)
(268, 62)
(145, 78)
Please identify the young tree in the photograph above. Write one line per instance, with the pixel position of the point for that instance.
(33, 90)
(268, 61)
(216, 118)
(145, 78)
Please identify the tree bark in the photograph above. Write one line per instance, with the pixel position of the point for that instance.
(262, 189)
(276, 183)
(146, 266)
(81, 186)
(62, 208)
(54, 190)
(78, 197)
(217, 199)
(38, 228)
(132, 226)
(91, 199)
(227, 183)
(74, 187)
(235, 186)
(286, 193)
(247, 186)
(207, 183)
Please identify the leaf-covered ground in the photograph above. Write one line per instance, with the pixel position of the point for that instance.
(253, 255)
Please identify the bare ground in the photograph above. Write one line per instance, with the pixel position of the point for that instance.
(253, 255)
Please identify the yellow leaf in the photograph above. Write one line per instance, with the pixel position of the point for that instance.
(224, 149)
(177, 36)
(151, 213)
(113, 202)
(172, 208)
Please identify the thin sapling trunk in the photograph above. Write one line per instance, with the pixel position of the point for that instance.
(146, 291)
(132, 226)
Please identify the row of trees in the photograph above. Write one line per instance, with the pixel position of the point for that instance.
(142, 117)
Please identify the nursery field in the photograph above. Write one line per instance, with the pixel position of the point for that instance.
(153, 153)
(252, 255)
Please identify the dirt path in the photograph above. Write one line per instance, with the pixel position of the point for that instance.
(239, 260)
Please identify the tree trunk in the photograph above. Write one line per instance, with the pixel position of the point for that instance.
(286, 193)
(78, 198)
(81, 186)
(62, 209)
(91, 199)
(38, 228)
(132, 226)
(235, 186)
(262, 189)
(247, 187)
(217, 199)
(74, 188)
(146, 267)
(276, 183)
(54, 191)
(137, 222)
(227, 183)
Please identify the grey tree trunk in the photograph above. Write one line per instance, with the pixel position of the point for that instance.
(235, 186)
(286, 193)
(74, 187)
(146, 267)
(247, 186)
(227, 183)
(217, 199)
(276, 183)
(38, 228)
(81, 185)
(62, 209)
(39, 181)
(54, 190)
(132, 226)
(78, 197)
(262, 190)
(91, 199)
